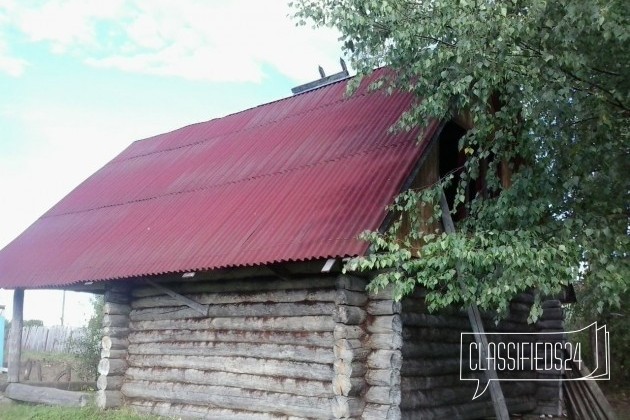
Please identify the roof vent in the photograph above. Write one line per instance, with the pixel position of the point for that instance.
(324, 80)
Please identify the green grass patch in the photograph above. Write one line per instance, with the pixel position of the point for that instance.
(38, 412)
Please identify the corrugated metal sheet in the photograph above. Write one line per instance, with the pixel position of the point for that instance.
(291, 180)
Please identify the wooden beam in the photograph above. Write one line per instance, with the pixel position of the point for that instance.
(15, 337)
(498, 400)
(202, 309)
(49, 396)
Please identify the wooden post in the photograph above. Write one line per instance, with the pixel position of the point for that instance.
(498, 400)
(15, 337)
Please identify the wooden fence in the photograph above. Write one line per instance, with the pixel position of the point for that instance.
(55, 339)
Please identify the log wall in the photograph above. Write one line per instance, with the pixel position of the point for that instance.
(113, 364)
(268, 348)
(430, 373)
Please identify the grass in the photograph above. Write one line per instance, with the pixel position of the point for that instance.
(33, 412)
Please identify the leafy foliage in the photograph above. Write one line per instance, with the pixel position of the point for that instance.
(87, 348)
(542, 85)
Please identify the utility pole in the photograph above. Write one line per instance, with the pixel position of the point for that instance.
(63, 307)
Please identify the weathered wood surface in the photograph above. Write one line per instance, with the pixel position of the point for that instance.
(109, 382)
(350, 350)
(356, 284)
(348, 297)
(114, 343)
(14, 356)
(116, 321)
(261, 350)
(347, 385)
(48, 396)
(109, 399)
(383, 307)
(250, 285)
(294, 386)
(350, 315)
(348, 331)
(314, 338)
(269, 296)
(55, 339)
(385, 324)
(305, 323)
(385, 359)
(174, 410)
(113, 354)
(229, 398)
(112, 367)
(181, 299)
(247, 365)
(381, 412)
(383, 377)
(385, 341)
(469, 410)
(352, 368)
(235, 310)
(388, 395)
(346, 407)
(111, 308)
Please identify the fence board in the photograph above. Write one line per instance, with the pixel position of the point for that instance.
(56, 339)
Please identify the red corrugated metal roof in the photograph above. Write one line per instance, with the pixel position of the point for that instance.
(291, 180)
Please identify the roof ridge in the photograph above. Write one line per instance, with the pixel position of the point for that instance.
(207, 187)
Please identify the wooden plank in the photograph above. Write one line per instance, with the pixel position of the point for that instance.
(196, 306)
(15, 337)
(498, 400)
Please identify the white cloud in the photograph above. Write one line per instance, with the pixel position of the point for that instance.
(218, 41)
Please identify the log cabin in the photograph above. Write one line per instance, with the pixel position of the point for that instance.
(219, 250)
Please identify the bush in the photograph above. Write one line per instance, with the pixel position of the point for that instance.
(87, 348)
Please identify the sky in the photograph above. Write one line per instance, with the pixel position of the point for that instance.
(82, 79)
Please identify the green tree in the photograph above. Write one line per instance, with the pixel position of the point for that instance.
(544, 85)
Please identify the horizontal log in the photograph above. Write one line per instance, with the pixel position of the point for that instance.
(419, 383)
(551, 303)
(442, 335)
(113, 354)
(425, 367)
(48, 396)
(111, 308)
(350, 298)
(383, 307)
(415, 305)
(272, 296)
(388, 395)
(346, 407)
(351, 283)
(177, 411)
(315, 338)
(553, 325)
(114, 343)
(115, 321)
(350, 368)
(229, 398)
(109, 383)
(284, 385)
(417, 350)
(121, 298)
(247, 365)
(118, 332)
(112, 367)
(381, 412)
(347, 386)
(470, 409)
(383, 377)
(243, 285)
(436, 321)
(260, 350)
(385, 324)
(348, 331)
(235, 310)
(304, 323)
(385, 359)
(109, 399)
(64, 385)
(387, 341)
(385, 293)
(350, 350)
(350, 315)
